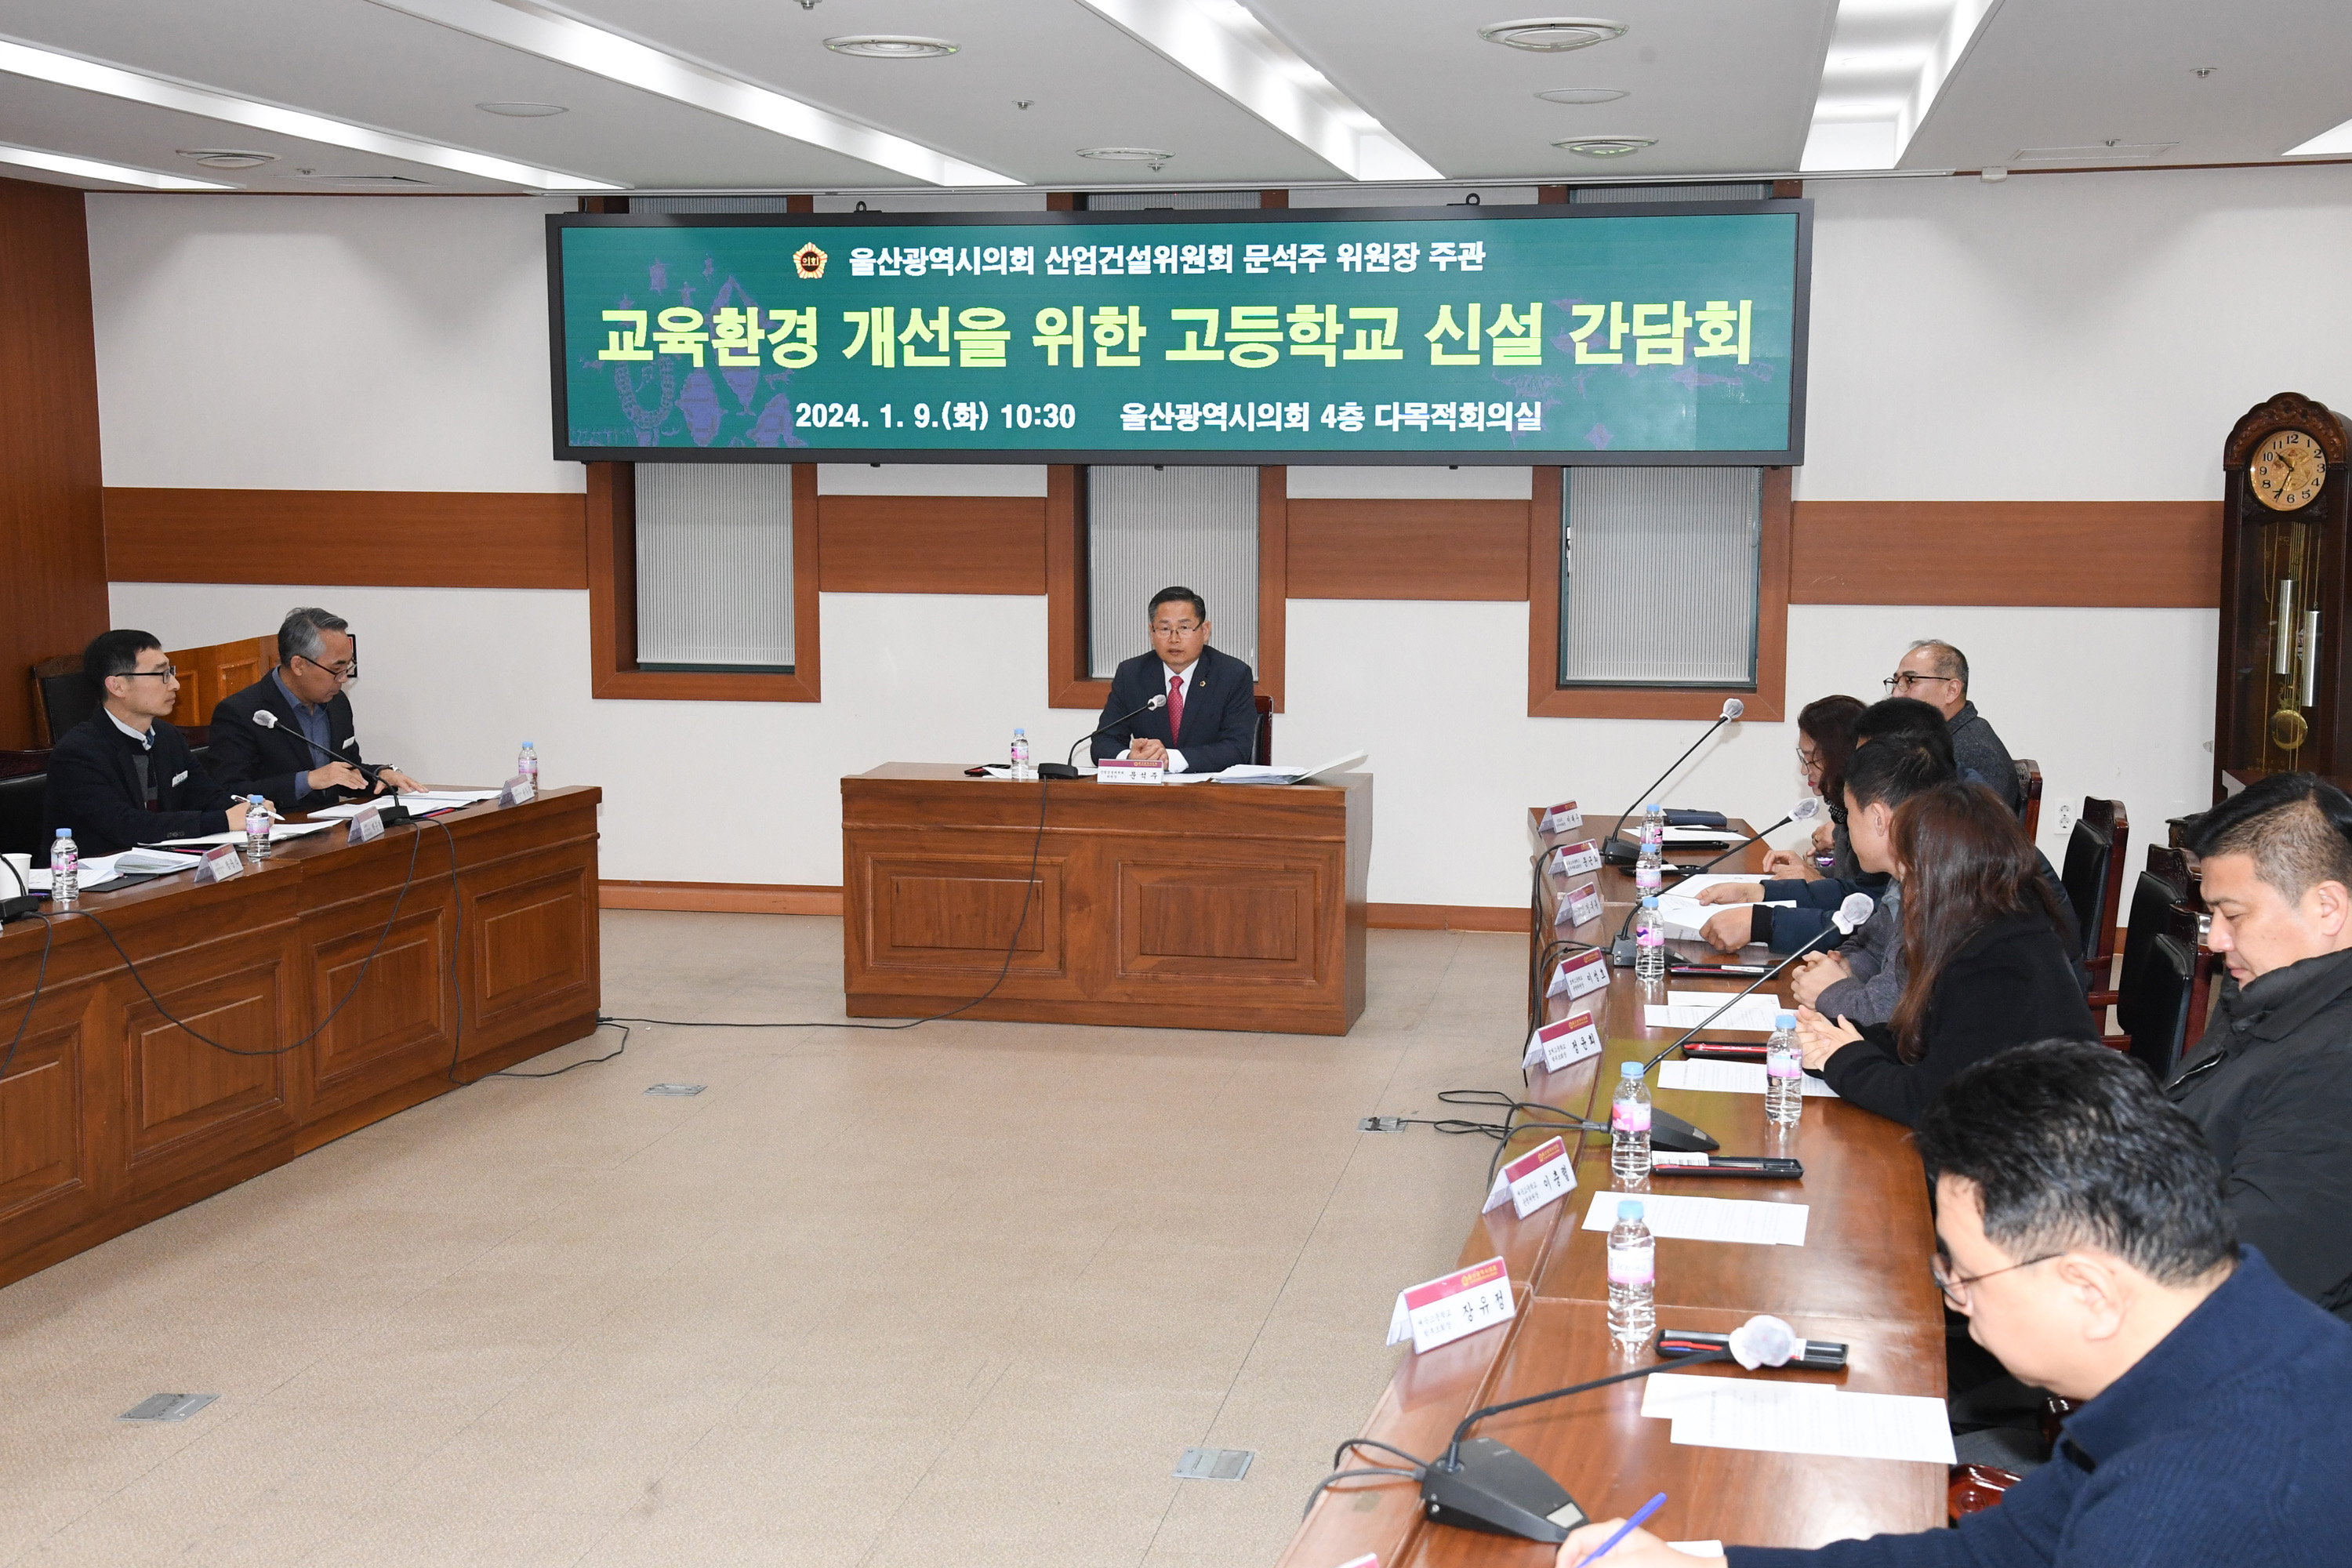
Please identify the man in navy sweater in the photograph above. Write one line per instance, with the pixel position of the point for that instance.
(2079, 1225)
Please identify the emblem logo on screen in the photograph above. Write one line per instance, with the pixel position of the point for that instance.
(809, 262)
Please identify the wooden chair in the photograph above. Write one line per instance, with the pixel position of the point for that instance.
(2165, 882)
(2093, 877)
(224, 669)
(2161, 1008)
(2029, 783)
(62, 697)
(1265, 752)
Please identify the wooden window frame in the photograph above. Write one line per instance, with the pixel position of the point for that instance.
(1547, 698)
(612, 602)
(1068, 682)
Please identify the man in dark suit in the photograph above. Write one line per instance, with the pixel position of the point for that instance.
(1210, 722)
(123, 776)
(311, 757)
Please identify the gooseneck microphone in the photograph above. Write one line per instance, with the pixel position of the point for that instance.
(389, 814)
(1614, 849)
(1485, 1485)
(1849, 916)
(1807, 811)
(1068, 770)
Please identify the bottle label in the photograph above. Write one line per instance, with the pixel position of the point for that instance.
(1651, 936)
(1778, 1066)
(1633, 1265)
(1629, 1118)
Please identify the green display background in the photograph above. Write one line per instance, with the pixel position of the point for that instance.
(1704, 409)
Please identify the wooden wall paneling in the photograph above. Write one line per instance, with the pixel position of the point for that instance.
(1408, 549)
(1067, 685)
(224, 669)
(396, 539)
(612, 574)
(2149, 555)
(1547, 698)
(1273, 572)
(52, 524)
(934, 544)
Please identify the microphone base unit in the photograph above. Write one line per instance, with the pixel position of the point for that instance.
(1670, 1133)
(1495, 1489)
(1622, 951)
(1057, 770)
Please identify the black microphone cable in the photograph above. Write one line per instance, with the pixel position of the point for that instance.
(40, 975)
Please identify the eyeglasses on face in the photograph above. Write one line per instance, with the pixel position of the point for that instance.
(1905, 679)
(1175, 629)
(1955, 1287)
(348, 669)
(168, 672)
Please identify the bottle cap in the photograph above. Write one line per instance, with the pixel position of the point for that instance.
(1019, 730)
(64, 833)
(1629, 1069)
(1649, 900)
(1629, 1208)
(253, 800)
(1652, 807)
(1784, 1020)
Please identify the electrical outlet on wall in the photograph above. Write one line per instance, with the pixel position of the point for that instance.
(2065, 820)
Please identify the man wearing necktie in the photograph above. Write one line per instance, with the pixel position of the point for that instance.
(1210, 719)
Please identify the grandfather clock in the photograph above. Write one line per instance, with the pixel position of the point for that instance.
(2284, 699)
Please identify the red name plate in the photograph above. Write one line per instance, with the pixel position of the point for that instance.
(1562, 818)
(1540, 1176)
(1569, 859)
(1580, 976)
(1563, 1044)
(1444, 1310)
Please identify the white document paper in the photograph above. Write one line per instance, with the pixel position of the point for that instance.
(1770, 1416)
(1678, 1218)
(1259, 774)
(1703, 835)
(424, 800)
(1691, 886)
(278, 833)
(1729, 1078)
(1697, 1548)
(1758, 1011)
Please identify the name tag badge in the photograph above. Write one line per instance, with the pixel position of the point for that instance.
(1570, 860)
(1563, 819)
(1444, 1310)
(1585, 904)
(1127, 770)
(519, 791)
(1563, 1044)
(1580, 976)
(219, 863)
(1540, 1176)
(181, 777)
(352, 744)
(368, 825)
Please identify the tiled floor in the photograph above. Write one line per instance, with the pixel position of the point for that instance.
(959, 1294)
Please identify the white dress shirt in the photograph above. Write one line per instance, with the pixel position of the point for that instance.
(1184, 678)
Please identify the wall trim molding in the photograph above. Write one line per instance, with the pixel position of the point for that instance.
(797, 898)
(2038, 555)
(373, 539)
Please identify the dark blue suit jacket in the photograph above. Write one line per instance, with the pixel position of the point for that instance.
(1220, 712)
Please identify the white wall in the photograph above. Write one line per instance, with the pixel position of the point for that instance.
(2052, 338)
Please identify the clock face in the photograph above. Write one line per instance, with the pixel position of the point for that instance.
(2287, 471)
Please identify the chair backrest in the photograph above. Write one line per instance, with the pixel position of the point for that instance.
(62, 697)
(224, 669)
(2093, 876)
(21, 800)
(1265, 752)
(2163, 996)
(2029, 785)
(2165, 882)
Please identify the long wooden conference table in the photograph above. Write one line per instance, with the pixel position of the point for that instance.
(1199, 905)
(1862, 1276)
(111, 1116)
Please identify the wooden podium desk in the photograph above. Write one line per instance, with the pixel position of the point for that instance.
(1860, 1277)
(1201, 906)
(111, 1116)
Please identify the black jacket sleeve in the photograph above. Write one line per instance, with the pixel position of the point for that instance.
(1128, 692)
(87, 794)
(2289, 1184)
(240, 757)
(1234, 739)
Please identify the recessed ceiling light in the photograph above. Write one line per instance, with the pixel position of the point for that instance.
(522, 111)
(1126, 154)
(1584, 95)
(890, 47)
(1605, 146)
(1551, 35)
(95, 169)
(184, 98)
(228, 157)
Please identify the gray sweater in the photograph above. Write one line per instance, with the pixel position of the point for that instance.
(1977, 750)
(1875, 953)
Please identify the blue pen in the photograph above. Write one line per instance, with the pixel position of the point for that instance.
(1631, 1525)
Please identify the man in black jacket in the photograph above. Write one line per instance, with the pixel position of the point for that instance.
(122, 776)
(310, 756)
(2271, 1083)
(1209, 718)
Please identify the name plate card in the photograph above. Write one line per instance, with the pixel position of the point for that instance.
(519, 791)
(219, 863)
(1541, 1175)
(1563, 819)
(1127, 770)
(368, 825)
(1563, 1044)
(1580, 976)
(1571, 860)
(1444, 1310)
(1583, 906)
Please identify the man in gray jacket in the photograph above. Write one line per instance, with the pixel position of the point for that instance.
(2271, 1083)
(1937, 673)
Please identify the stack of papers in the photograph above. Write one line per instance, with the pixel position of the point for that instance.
(1690, 1009)
(1728, 1078)
(1255, 773)
(1691, 886)
(1684, 916)
(1766, 1416)
(97, 869)
(1677, 1218)
(417, 804)
(280, 832)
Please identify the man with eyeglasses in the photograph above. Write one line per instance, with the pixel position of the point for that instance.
(1209, 721)
(2079, 1225)
(311, 757)
(123, 776)
(1937, 673)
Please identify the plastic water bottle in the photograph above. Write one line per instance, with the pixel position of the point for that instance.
(1654, 826)
(1022, 768)
(1650, 866)
(1650, 941)
(1633, 1278)
(65, 871)
(1784, 1073)
(256, 828)
(527, 766)
(1629, 1125)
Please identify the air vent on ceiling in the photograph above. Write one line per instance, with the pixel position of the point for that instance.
(1552, 35)
(1605, 146)
(373, 182)
(228, 157)
(2099, 152)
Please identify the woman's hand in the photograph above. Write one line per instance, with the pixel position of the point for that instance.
(1819, 1040)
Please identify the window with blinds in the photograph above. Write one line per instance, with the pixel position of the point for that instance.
(715, 566)
(1149, 529)
(1659, 571)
